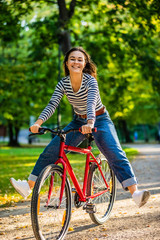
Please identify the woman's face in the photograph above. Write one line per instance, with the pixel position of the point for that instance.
(76, 62)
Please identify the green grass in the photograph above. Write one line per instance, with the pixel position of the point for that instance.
(130, 152)
(19, 162)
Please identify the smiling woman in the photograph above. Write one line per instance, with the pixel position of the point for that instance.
(81, 88)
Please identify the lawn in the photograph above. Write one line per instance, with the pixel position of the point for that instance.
(19, 162)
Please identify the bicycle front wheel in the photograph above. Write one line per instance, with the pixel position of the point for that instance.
(50, 218)
(103, 203)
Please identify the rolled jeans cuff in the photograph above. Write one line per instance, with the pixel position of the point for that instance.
(32, 177)
(129, 182)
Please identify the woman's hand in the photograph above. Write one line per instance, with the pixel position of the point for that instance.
(35, 127)
(87, 128)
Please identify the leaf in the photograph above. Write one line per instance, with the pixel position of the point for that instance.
(70, 229)
(2, 233)
(104, 229)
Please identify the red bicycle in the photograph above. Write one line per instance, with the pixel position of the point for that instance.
(51, 202)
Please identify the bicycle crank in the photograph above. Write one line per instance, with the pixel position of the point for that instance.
(77, 203)
(90, 208)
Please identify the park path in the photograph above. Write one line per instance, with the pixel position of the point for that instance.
(127, 222)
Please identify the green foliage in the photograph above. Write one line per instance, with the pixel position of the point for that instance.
(9, 27)
(121, 36)
(125, 37)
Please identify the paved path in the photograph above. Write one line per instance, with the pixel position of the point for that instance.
(127, 222)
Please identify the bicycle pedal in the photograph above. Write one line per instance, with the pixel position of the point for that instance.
(90, 208)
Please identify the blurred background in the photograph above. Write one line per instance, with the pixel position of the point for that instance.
(123, 39)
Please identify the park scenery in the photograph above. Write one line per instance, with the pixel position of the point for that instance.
(123, 40)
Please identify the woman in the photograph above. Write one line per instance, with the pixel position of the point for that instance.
(81, 88)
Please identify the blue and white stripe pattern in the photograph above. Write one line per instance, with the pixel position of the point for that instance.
(86, 101)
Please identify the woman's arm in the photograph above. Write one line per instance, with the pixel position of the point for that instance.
(93, 92)
(91, 105)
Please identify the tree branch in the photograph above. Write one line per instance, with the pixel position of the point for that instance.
(72, 7)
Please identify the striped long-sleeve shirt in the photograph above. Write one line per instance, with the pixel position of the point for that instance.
(85, 101)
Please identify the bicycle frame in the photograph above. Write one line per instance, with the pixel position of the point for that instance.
(67, 167)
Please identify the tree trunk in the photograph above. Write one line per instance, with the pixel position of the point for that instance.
(13, 135)
(146, 138)
(123, 126)
(64, 17)
(64, 39)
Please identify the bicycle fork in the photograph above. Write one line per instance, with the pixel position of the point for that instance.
(62, 185)
(63, 176)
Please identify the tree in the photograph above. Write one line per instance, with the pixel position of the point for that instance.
(122, 38)
(10, 79)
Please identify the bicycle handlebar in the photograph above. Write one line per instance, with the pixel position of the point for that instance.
(58, 132)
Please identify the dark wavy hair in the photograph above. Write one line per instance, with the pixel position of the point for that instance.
(90, 66)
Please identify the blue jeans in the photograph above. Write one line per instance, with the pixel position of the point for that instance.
(106, 140)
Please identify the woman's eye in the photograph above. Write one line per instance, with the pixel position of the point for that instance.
(73, 59)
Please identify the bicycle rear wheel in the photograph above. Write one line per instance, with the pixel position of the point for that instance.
(50, 221)
(104, 202)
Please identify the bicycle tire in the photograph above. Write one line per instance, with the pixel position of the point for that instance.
(50, 222)
(103, 203)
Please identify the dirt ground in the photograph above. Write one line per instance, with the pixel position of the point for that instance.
(127, 221)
